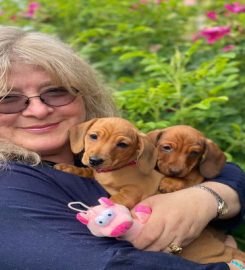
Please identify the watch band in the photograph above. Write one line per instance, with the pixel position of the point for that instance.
(222, 207)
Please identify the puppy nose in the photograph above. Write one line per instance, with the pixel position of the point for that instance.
(95, 161)
(174, 171)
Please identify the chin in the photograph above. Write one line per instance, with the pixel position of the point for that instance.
(45, 148)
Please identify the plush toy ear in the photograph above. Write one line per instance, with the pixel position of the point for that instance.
(147, 156)
(213, 160)
(105, 202)
(155, 135)
(82, 217)
(77, 135)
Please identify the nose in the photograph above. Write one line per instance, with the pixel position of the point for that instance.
(174, 171)
(95, 161)
(37, 108)
(121, 229)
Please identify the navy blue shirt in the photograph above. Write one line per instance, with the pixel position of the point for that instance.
(39, 232)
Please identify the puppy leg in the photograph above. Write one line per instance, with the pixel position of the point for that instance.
(82, 172)
(169, 184)
(128, 196)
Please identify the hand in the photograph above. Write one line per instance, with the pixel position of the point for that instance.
(177, 218)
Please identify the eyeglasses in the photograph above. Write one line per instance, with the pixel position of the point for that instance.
(55, 97)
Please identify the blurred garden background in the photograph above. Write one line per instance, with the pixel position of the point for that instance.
(167, 62)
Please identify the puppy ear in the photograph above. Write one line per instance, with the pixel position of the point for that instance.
(213, 160)
(155, 135)
(147, 156)
(77, 135)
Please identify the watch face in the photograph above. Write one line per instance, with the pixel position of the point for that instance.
(222, 209)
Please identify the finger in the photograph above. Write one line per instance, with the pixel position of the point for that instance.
(148, 234)
(164, 241)
(156, 237)
(175, 242)
(151, 230)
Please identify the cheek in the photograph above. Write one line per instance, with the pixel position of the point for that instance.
(76, 111)
(7, 124)
(7, 119)
(162, 156)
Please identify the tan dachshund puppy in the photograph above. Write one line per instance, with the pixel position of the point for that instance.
(122, 158)
(185, 157)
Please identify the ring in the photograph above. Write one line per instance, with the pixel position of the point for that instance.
(175, 248)
(238, 265)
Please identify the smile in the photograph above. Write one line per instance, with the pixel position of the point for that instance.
(42, 128)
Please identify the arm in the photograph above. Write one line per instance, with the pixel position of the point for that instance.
(179, 217)
(234, 194)
(39, 231)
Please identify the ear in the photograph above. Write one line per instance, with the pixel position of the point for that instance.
(147, 156)
(77, 135)
(155, 135)
(83, 218)
(106, 202)
(213, 160)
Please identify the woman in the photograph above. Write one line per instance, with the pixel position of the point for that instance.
(46, 89)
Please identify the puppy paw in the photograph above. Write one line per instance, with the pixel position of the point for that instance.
(83, 172)
(64, 167)
(169, 184)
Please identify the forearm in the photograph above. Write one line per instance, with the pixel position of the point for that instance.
(233, 177)
(230, 184)
(229, 195)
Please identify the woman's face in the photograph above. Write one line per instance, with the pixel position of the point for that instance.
(41, 128)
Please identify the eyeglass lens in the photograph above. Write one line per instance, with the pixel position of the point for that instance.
(15, 103)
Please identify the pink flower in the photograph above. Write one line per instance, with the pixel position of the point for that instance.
(212, 15)
(31, 9)
(216, 33)
(235, 7)
(228, 48)
(159, 1)
(189, 2)
(195, 37)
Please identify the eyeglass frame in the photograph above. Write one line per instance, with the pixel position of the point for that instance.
(27, 102)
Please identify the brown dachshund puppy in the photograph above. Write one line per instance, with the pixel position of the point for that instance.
(185, 157)
(122, 158)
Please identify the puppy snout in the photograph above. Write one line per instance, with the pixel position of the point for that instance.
(95, 161)
(175, 171)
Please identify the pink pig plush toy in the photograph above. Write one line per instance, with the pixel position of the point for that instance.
(109, 219)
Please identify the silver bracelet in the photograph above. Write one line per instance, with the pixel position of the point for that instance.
(222, 207)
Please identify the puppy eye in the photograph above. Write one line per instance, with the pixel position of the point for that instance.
(166, 148)
(122, 145)
(93, 136)
(194, 154)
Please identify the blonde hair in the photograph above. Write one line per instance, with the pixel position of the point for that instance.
(11, 152)
(64, 66)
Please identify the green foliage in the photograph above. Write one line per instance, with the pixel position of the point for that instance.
(145, 51)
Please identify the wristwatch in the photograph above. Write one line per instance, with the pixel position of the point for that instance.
(222, 207)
